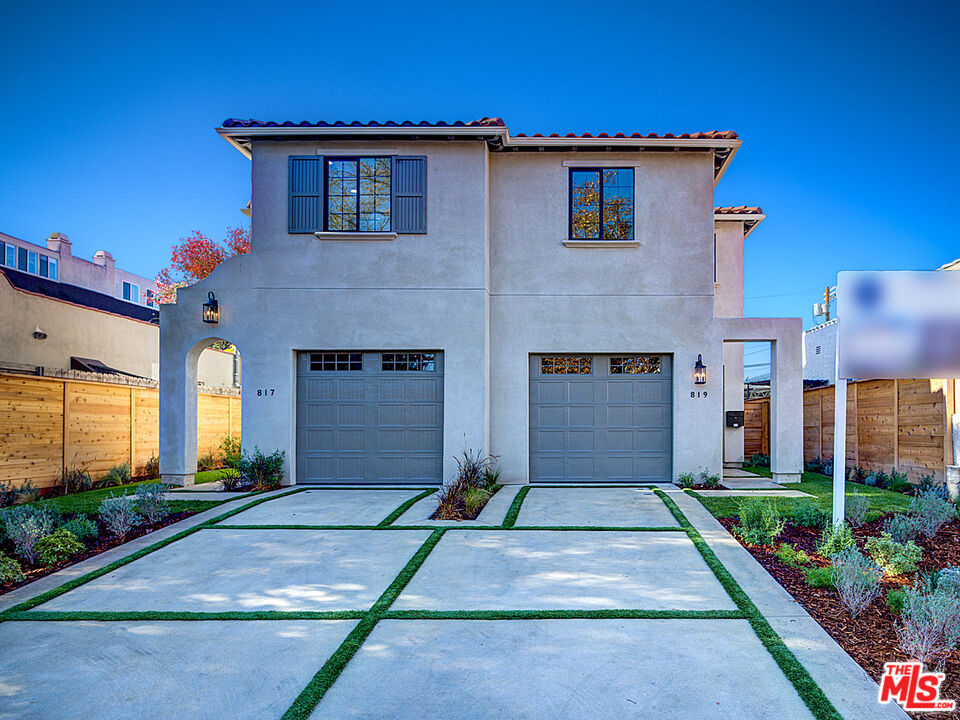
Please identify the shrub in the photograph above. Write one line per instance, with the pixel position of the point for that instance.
(25, 525)
(893, 557)
(895, 601)
(26, 492)
(815, 466)
(833, 539)
(472, 467)
(57, 547)
(206, 462)
(760, 521)
(262, 471)
(119, 515)
(881, 479)
(7, 494)
(789, 555)
(10, 571)
(760, 460)
(233, 480)
(932, 511)
(806, 513)
(73, 480)
(818, 577)
(151, 501)
(857, 474)
(856, 508)
(898, 481)
(83, 528)
(870, 480)
(491, 478)
(151, 469)
(474, 498)
(230, 451)
(902, 527)
(449, 500)
(930, 628)
(686, 480)
(857, 579)
(711, 480)
(926, 483)
(949, 580)
(117, 475)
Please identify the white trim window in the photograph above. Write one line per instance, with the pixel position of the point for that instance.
(131, 292)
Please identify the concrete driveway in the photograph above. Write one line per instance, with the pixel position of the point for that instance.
(348, 603)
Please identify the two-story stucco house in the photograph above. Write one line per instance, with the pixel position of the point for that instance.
(562, 302)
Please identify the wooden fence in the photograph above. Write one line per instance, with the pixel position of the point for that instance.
(890, 423)
(47, 423)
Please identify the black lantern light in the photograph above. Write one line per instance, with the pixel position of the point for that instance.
(700, 371)
(211, 310)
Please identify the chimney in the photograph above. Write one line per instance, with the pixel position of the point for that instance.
(58, 242)
(103, 259)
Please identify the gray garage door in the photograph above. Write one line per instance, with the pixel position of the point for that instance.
(367, 417)
(600, 418)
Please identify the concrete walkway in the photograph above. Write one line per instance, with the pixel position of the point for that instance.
(597, 604)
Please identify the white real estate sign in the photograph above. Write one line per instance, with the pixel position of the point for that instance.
(899, 324)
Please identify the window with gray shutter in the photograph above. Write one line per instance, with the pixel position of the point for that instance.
(410, 194)
(306, 193)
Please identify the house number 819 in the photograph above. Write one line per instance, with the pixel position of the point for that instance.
(265, 391)
(698, 393)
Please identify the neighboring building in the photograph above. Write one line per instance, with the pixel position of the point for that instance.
(820, 352)
(55, 261)
(415, 290)
(64, 312)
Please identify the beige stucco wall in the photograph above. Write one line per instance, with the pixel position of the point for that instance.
(121, 343)
(215, 368)
(728, 302)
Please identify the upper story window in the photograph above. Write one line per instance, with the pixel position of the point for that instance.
(131, 292)
(27, 261)
(601, 204)
(151, 297)
(358, 194)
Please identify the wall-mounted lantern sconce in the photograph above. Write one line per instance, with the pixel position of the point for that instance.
(211, 310)
(700, 372)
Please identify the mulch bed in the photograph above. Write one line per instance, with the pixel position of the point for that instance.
(461, 510)
(101, 544)
(702, 486)
(870, 638)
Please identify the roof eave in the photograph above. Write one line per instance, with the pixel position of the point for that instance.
(749, 220)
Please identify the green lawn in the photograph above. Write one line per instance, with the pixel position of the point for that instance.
(820, 486)
(207, 476)
(89, 502)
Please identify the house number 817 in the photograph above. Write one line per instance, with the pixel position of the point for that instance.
(265, 391)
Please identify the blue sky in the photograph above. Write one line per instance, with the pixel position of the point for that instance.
(845, 113)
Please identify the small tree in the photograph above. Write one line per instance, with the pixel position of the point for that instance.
(195, 256)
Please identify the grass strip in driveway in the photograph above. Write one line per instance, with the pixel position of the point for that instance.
(563, 615)
(389, 519)
(598, 528)
(808, 690)
(511, 517)
(306, 702)
(159, 615)
(99, 572)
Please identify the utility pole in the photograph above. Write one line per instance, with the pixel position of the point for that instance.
(826, 302)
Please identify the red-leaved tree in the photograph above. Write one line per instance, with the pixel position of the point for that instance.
(195, 257)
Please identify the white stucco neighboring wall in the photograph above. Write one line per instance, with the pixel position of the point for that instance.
(820, 352)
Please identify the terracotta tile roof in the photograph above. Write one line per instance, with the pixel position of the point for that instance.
(738, 210)
(482, 122)
(712, 135)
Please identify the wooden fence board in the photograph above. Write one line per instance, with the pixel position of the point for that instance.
(890, 423)
(49, 423)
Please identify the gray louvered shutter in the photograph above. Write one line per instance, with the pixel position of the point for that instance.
(409, 194)
(306, 194)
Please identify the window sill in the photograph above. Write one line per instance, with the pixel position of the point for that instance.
(356, 235)
(602, 243)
